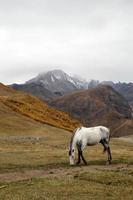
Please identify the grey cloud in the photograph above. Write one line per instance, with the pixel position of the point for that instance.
(91, 38)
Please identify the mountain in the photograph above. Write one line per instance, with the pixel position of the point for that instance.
(37, 89)
(93, 84)
(98, 106)
(51, 84)
(125, 89)
(23, 105)
(56, 83)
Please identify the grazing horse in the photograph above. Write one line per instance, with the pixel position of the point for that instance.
(83, 137)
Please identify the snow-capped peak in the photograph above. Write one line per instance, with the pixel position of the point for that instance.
(57, 80)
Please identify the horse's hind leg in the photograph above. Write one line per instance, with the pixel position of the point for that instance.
(107, 148)
(109, 155)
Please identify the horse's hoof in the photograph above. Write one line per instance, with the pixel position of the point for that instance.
(108, 163)
(85, 163)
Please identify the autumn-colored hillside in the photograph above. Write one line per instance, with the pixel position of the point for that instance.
(98, 106)
(31, 107)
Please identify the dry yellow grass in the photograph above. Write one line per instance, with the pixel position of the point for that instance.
(36, 166)
(32, 107)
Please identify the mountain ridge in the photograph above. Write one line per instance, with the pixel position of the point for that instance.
(100, 105)
(56, 83)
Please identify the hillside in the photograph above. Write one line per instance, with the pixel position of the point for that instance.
(125, 89)
(36, 89)
(15, 105)
(98, 106)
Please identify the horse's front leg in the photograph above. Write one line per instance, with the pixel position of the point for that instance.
(80, 154)
(83, 157)
(79, 160)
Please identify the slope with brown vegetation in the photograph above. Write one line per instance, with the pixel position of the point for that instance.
(101, 105)
(31, 107)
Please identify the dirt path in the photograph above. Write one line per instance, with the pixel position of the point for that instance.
(40, 173)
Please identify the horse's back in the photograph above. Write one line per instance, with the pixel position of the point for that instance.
(95, 129)
(92, 134)
(89, 135)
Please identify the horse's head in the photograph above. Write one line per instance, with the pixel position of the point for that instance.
(71, 156)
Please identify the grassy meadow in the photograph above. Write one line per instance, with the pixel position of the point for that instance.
(34, 165)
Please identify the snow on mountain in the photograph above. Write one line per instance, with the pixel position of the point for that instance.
(59, 81)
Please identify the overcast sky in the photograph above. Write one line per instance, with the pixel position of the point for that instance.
(90, 38)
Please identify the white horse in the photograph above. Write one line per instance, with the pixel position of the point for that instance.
(89, 136)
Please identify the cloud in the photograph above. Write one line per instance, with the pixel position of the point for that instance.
(91, 38)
